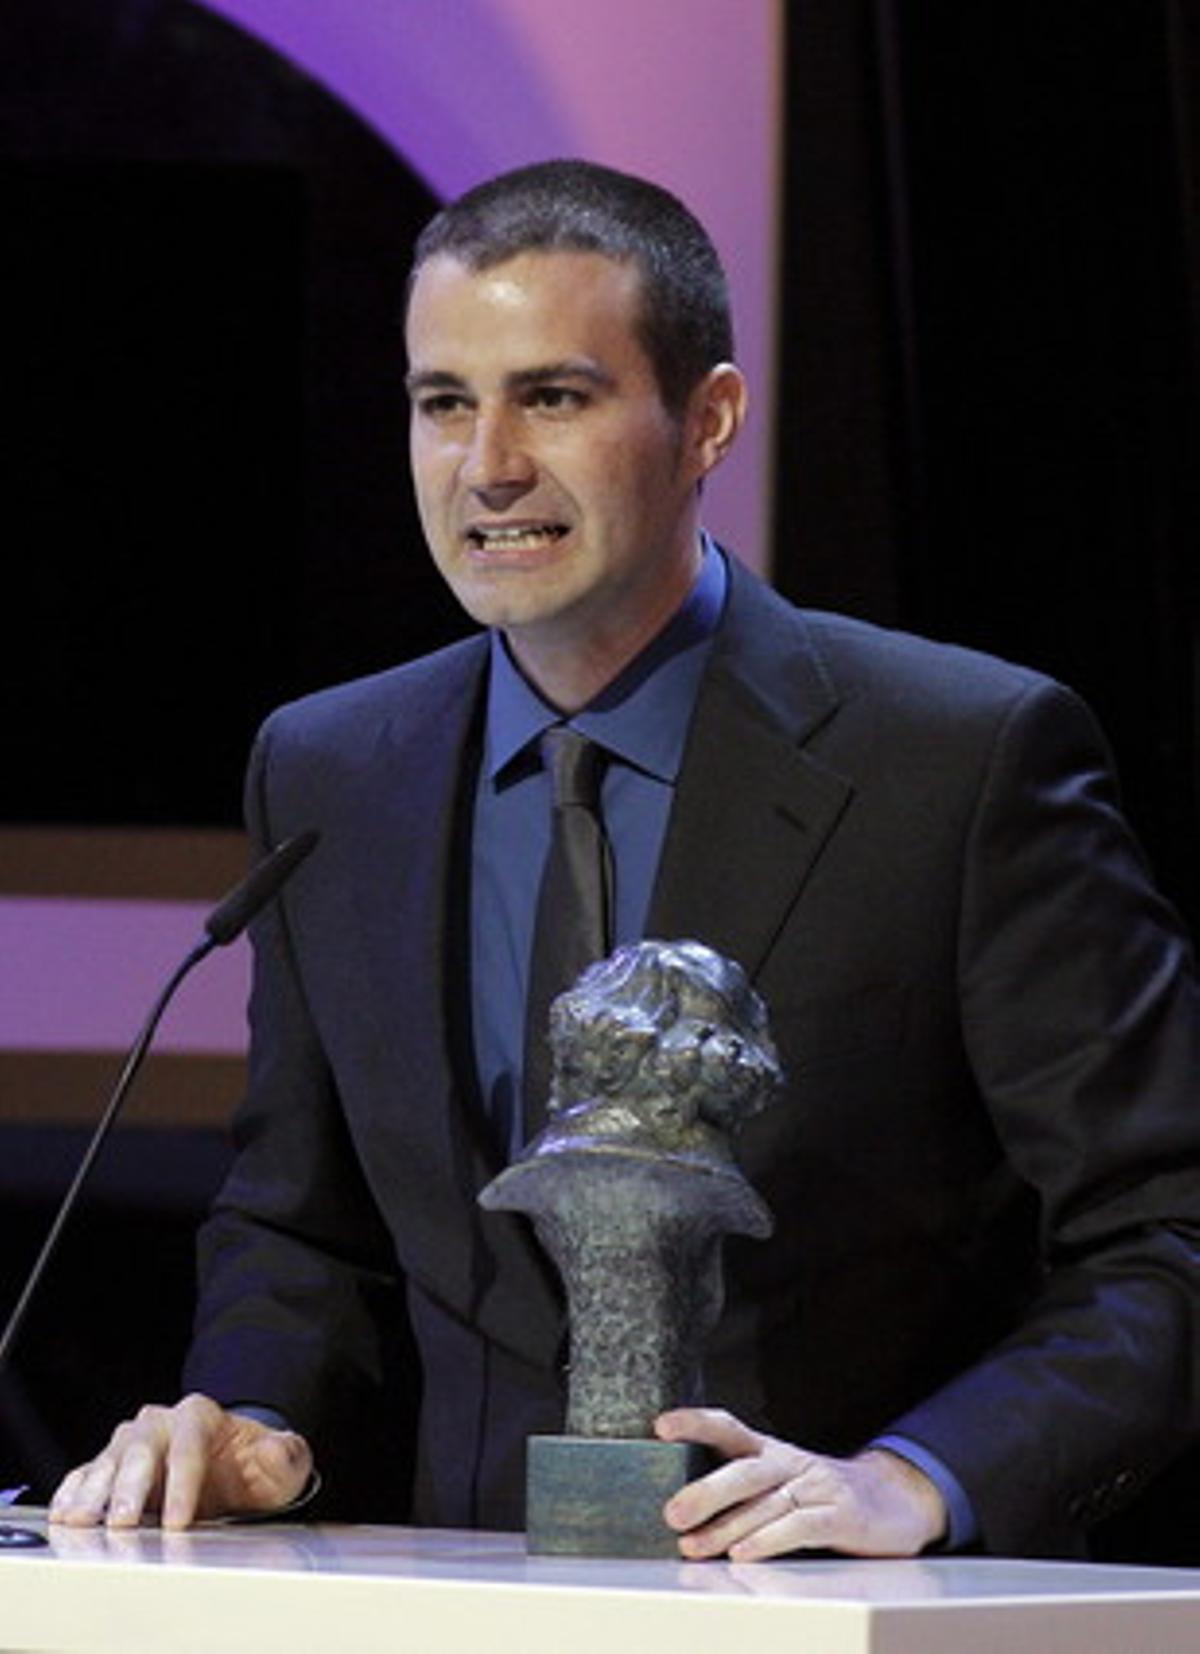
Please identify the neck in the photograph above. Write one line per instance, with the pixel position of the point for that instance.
(569, 667)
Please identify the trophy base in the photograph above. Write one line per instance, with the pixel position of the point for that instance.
(602, 1496)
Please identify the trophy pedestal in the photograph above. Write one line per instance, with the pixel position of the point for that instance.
(603, 1496)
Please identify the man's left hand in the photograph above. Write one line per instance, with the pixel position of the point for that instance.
(771, 1497)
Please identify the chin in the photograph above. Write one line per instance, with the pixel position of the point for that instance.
(516, 601)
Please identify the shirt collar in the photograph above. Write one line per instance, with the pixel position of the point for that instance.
(643, 715)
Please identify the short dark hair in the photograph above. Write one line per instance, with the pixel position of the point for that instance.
(685, 326)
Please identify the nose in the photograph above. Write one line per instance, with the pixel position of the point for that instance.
(498, 467)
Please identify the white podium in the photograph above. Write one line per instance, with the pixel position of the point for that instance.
(378, 1590)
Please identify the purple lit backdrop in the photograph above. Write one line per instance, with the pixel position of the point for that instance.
(80, 975)
(683, 90)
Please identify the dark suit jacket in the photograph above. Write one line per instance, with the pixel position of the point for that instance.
(985, 1171)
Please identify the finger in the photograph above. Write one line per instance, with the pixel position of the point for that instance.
(92, 1489)
(85, 1496)
(725, 1435)
(732, 1484)
(134, 1459)
(754, 1464)
(733, 1526)
(136, 1483)
(194, 1424)
(814, 1509)
(784, 1529)
(710, 1427)
(71, 1502)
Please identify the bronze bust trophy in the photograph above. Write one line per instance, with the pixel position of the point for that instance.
(660, 1052)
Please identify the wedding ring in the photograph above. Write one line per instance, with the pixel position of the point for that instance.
(789, 1494)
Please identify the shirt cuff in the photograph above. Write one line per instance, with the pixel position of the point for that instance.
(961, 1527)
(260, 1415)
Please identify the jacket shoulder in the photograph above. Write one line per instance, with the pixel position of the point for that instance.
(356, 711)
(858, 653)
(895, 678)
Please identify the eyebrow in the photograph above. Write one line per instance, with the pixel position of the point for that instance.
(523, 379)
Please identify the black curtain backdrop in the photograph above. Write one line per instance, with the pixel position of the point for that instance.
(987, 385)
(988, 380)
(207, 508)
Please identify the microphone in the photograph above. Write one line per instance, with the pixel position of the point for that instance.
(223, 925)
(234, 912)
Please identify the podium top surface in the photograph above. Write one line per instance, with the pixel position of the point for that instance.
(284, 1587)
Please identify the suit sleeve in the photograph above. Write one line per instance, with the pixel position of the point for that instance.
(299, 1308)
(1081, 1021)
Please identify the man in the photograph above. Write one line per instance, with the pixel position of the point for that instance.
(976, 1320)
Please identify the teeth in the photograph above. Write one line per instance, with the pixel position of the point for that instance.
(520, 537)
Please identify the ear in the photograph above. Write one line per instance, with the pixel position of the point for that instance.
(716, 413)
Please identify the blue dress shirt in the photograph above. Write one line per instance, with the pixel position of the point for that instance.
(641, 720)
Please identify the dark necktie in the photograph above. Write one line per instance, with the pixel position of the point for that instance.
(571, 929)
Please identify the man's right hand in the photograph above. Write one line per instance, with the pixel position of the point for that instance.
(186, 1463)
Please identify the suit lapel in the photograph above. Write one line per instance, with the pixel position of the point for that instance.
(411, 909)
(753, 810)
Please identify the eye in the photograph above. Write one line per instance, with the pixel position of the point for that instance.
(556, 399)
(439, 406)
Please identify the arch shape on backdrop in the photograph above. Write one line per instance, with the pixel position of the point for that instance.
(685, 91)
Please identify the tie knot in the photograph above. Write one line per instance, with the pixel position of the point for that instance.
(574, 764)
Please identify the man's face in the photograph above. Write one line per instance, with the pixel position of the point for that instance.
(557, 493)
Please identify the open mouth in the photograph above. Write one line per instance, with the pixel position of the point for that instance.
(515, 536)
